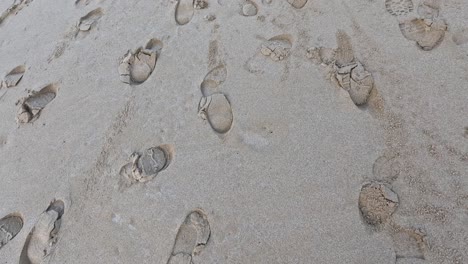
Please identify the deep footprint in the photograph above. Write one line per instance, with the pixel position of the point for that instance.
(10, 226)
(298, 3)
(184, 11)
(14, 76)
(145, 166)
(89, 21)
(44, 235)
(192, 237)
(377, 202)
(32, 106)
(137, 66)
(217, 110)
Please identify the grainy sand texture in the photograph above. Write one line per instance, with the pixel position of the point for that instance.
(234, 131)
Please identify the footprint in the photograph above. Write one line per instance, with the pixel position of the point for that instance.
(32, 106)
(377, 202)
(408, 243)
(399, 7)
(427, 33)
(277, 48)
(217, 110)
(344, 69)
(14, 76)
(298, 3)
(90, 20)
(137, 66)
(249, 8)
(10, 226)
(192, 237)
(14, 8)
(429, 9)
(44, 235)
(213, 80)
(184, 11)
(145, 166)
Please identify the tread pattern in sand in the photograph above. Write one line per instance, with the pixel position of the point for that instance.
(10, 226)
(32, 106)
(191, 238)
(399, 7)
(44, 236)
(137, 66)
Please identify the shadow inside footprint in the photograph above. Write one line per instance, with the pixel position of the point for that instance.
(184, 11)
(43, 238)
(213, 80)
(90, 19)
(14, 76)
(10, 226)
(137, 66)
(32, 106)
(192, 237)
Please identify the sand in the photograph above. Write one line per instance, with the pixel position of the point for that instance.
(234, 131)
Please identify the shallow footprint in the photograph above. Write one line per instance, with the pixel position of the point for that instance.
(249, 8)
(14, 76)
(427, 33)
(399, 7)
(184, 11)
(192, 237)
(361, 85)
(298, 3)
(137, 66)
(88, 21)
(217, 110)
(377, 202)
(10, 226)
(32, 106)
(44, 235)
(145, 166)
(277, 48)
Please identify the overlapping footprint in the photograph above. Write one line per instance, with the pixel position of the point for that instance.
(214, 105)
(43, 238)
(137, 66)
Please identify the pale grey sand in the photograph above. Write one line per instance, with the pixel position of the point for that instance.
(274, 168)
